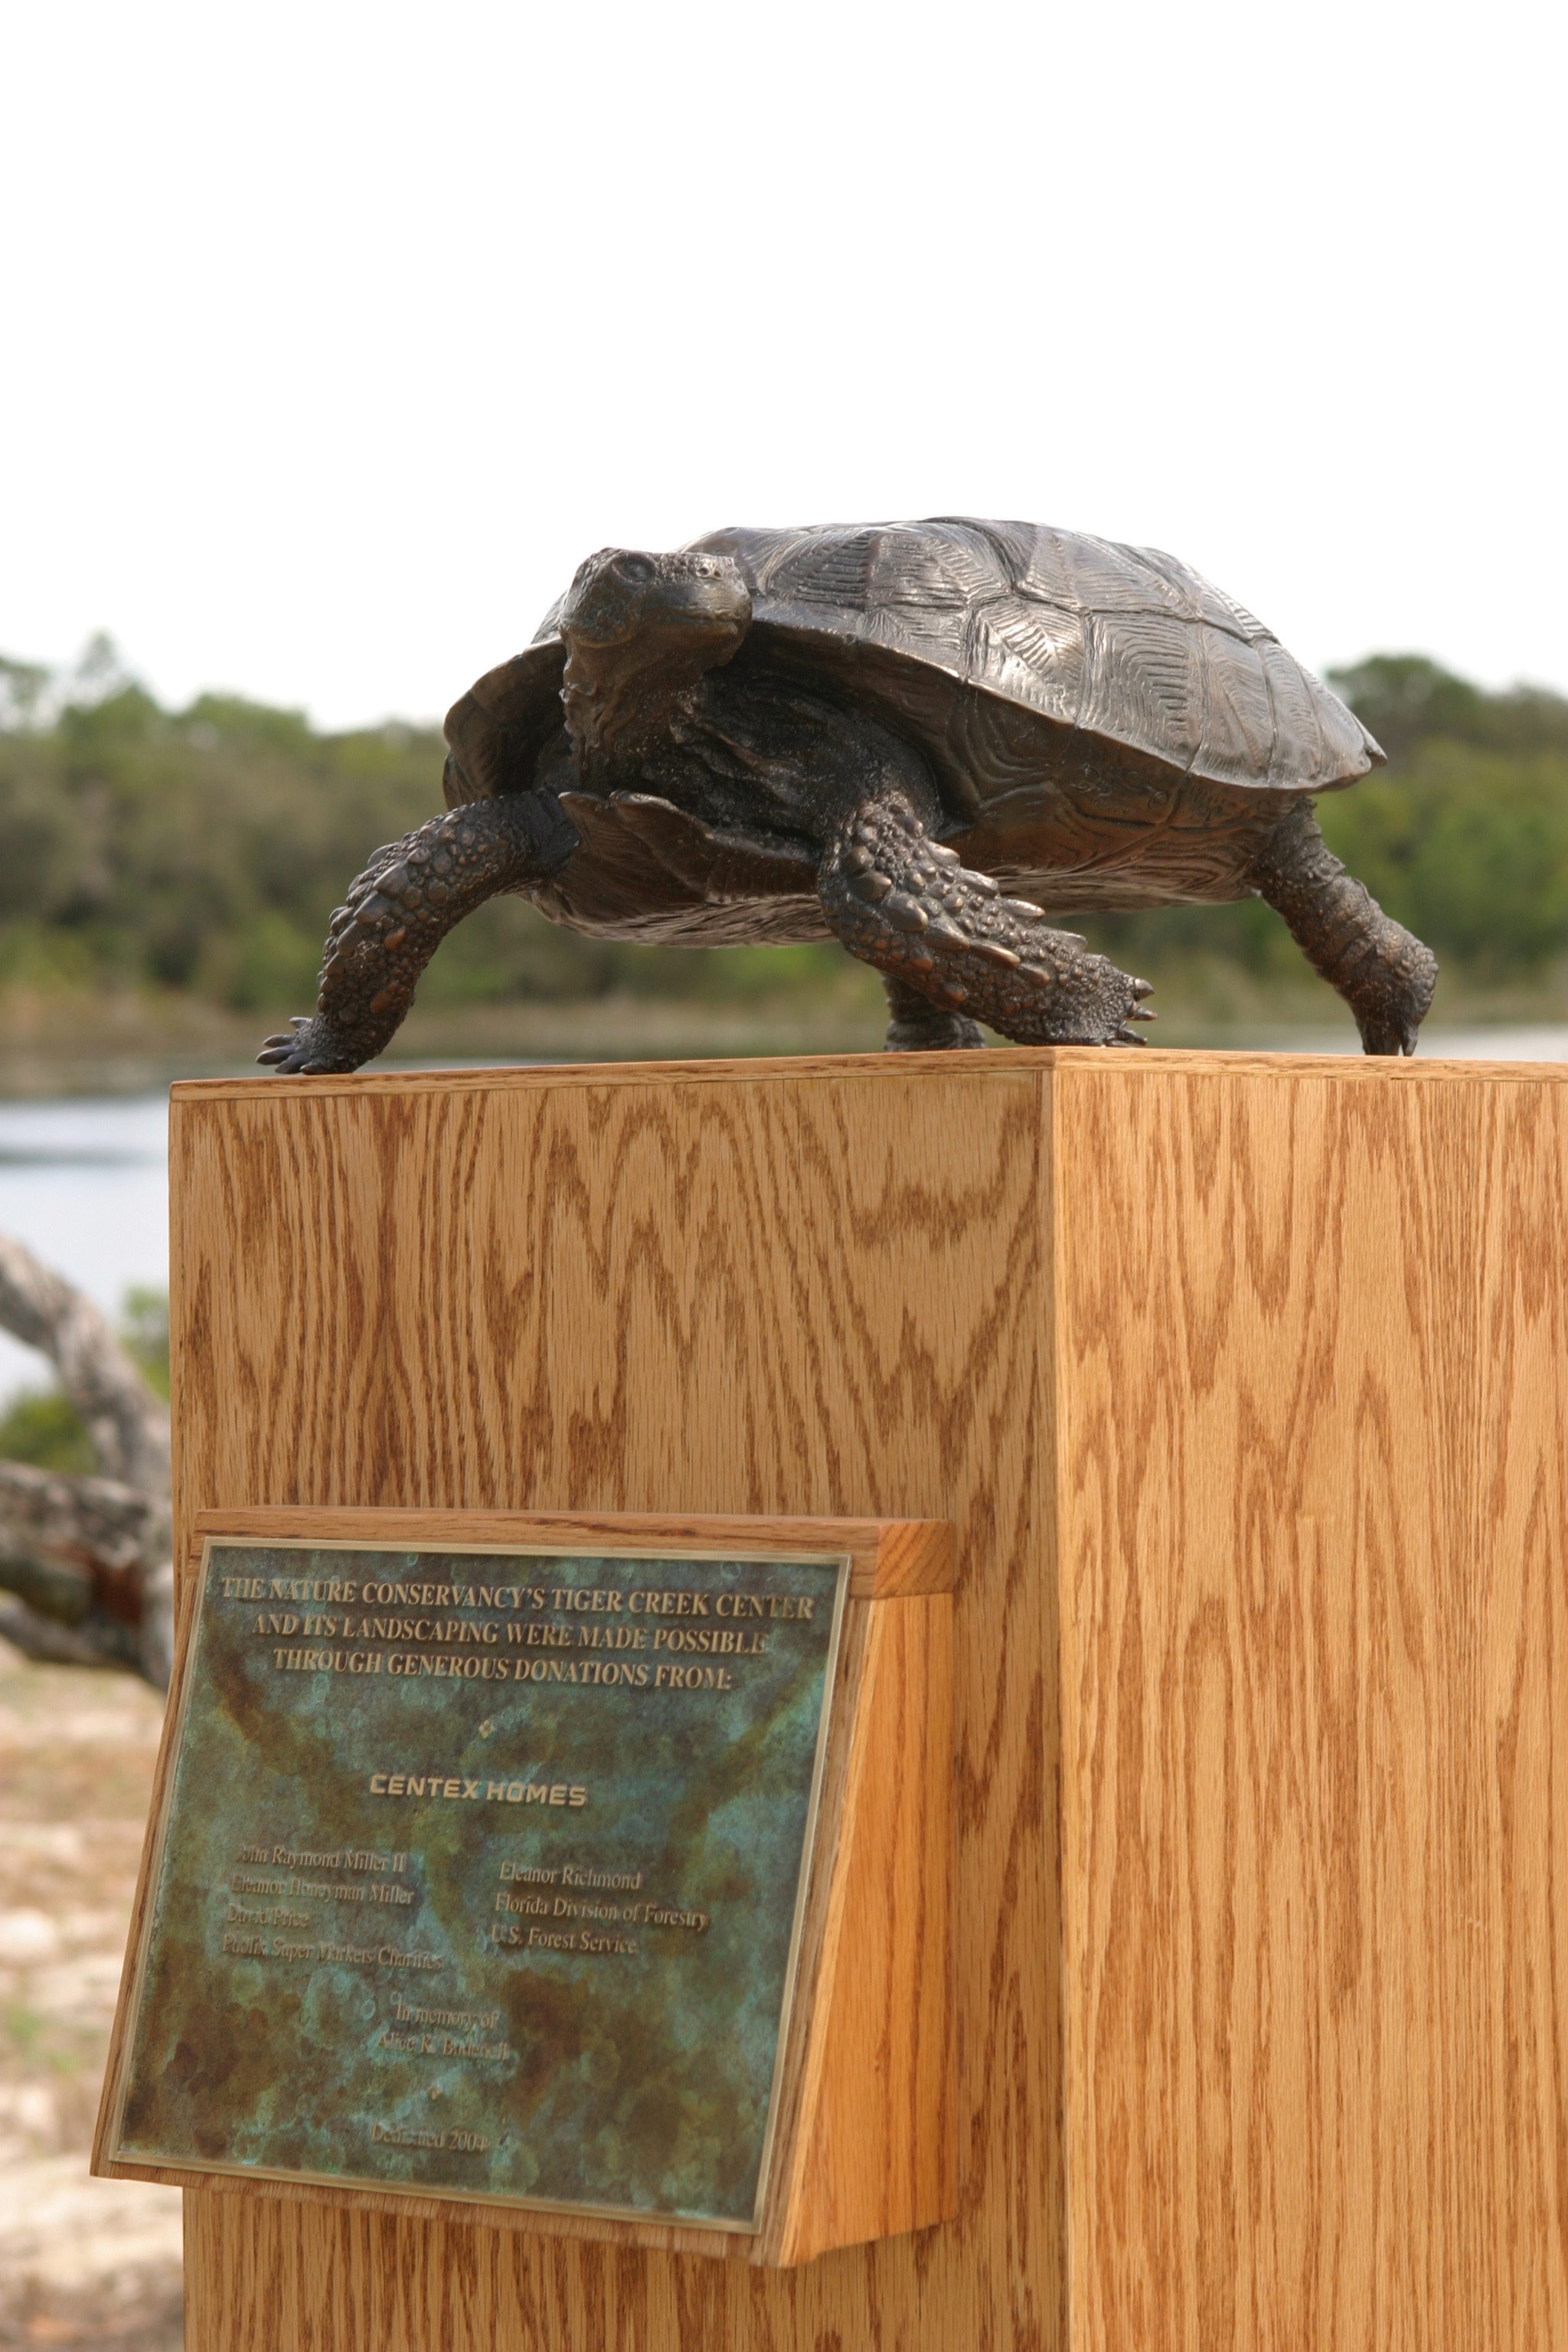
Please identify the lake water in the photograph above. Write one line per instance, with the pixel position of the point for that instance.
(85, 1184)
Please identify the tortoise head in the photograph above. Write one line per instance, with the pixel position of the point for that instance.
(637, 629)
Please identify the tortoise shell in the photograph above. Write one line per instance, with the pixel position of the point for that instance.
(988, 643)
(1118, 642)
(1105, 727)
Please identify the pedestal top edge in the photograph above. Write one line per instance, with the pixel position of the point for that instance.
(994, 1062)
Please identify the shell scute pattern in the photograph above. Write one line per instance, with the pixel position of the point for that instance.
(1145, 680)
(1225, 612)
(1240, 731)
(1096, 575)
(898, 584)
(1030, 654)
(1126, 643)
(1298, 715)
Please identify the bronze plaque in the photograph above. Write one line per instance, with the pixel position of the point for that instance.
(480, 1874)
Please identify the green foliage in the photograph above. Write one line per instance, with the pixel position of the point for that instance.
(42, 1426)
(1464, 836)
(23, 686)
(204, 849)
(1408, 701)
(1469, 847)
(200, 850)
(144, 1335)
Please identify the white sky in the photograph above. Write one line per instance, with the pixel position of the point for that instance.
(336, 335)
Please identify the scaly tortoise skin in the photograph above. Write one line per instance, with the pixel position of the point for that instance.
(907, 737)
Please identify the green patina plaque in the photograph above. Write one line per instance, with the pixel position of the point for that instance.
(480, 1875)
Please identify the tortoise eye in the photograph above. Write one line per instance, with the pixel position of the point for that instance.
(637, 567)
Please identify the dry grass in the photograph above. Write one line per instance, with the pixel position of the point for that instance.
(83, 2261)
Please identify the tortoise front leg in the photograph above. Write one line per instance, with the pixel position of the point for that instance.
(401, 908)
(919, 1026)
(1383, 973)
(903, 902)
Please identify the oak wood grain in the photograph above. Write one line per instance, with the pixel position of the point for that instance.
(1242, 1382)
(801, 1292)
(1310, 1375)
(874, 2149)
(888, 1557)
(146, 1878)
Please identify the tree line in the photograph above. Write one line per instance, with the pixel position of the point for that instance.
(203, 849)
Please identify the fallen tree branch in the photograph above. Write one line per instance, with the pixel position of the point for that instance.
(86, 1560)
(98, 1524)
(48, 1643)
(68, 1615)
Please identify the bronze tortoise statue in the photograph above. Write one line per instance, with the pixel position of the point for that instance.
(909, 737)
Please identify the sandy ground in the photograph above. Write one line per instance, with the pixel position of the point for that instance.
(83, 2261)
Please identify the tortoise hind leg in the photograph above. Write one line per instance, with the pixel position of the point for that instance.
(401, 908)
(1383, 973)
(903, 902)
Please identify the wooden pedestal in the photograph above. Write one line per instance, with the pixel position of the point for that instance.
(1243, 1382)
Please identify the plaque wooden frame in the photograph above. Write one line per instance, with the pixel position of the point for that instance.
(863, 2140)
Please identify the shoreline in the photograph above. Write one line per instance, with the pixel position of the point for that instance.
(72, 1046)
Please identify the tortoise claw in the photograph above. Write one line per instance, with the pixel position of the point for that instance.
(1141, 988)
(283, 1046)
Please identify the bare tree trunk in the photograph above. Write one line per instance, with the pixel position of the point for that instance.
(86, 1560)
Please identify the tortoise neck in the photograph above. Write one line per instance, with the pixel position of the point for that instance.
(617, 710)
